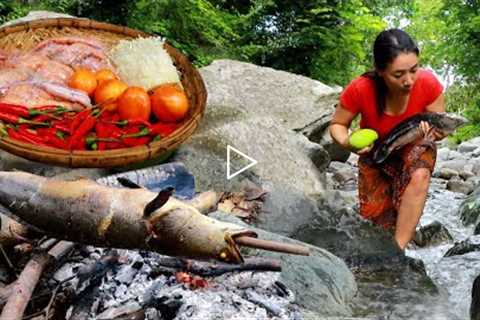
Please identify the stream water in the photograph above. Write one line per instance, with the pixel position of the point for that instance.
(452, 275)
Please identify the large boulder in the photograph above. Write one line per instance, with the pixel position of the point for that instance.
(261, 111)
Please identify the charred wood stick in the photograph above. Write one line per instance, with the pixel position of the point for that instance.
(25, 284)
(272, 245)
(93, 272)
(207, 269)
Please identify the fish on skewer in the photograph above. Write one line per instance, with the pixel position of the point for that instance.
(409, 130)
(87, 212)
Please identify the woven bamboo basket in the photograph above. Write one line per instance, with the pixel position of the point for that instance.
(25, 36)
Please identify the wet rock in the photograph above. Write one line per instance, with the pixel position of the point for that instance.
(442, 154)
(456, 164)
(431, 235)
(466, 147)
(321, 282)
(445, 173)
(475, 304)
(457, 185)
(476, 231)
(336, 152)
(466, 174)
(470, 208)
(476, 152)
(463, 247)
(475, 141)
(454, 155)
(343, 173)
(438, 184)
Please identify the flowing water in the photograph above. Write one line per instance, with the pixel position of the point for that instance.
(453, 275)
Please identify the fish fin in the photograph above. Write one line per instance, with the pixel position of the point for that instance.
(127, 183)
(161, 198)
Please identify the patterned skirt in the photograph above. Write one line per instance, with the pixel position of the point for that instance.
(380, 187)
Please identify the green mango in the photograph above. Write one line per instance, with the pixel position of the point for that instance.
(362, 138)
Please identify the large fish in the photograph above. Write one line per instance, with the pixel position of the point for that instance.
(409, 131)
(87, 212)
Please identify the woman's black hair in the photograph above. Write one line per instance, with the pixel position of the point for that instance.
(387, 46)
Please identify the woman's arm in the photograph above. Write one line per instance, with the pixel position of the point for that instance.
(341, 121)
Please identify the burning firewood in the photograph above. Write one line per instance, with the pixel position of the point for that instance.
(208, 269)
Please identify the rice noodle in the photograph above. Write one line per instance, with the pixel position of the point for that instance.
(144, 62)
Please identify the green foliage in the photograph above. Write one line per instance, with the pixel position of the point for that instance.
(465, 100)
(324, 40)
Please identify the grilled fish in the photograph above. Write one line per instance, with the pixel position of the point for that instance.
(87, 212)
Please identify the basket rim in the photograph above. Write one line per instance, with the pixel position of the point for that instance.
(183, 132)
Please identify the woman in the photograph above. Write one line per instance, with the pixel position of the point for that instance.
(392, 194)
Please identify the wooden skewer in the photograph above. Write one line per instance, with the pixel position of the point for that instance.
(272, 245)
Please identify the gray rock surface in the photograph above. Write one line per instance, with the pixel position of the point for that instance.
(470, 208)
(446, 173)
(432, 234)
(458, 185)
(466, 147)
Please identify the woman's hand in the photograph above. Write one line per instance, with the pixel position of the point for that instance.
(363, 150)
(430, 132)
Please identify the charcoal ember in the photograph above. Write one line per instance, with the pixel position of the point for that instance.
(167, 305)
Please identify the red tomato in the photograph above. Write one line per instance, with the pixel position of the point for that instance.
(169, 103)
(134, 103)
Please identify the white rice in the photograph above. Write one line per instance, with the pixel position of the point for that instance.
(144, 63)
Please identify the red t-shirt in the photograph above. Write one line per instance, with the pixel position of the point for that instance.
(359, 97)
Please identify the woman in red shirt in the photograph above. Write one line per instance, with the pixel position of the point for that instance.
(392, 194)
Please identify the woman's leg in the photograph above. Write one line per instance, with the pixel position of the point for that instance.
(411, 206)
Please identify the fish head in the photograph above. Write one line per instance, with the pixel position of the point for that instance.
(447, 122)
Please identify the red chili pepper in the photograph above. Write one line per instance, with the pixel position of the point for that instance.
(163, 129)
(115, 117)
(53, 140)
(41, 118)
(101, 130)
(19, 110)
(78, 119)
(132, 122)
(115, 133)
(25, 137)
(31, 135)
(11, 118)
(62, 126)
(87, 125)
(15, 119)
(133, 142)
(79, 144)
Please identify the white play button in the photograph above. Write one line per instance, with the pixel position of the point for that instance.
(248, 166)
